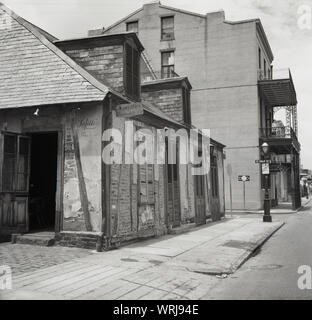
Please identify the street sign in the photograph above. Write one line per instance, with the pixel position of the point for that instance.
(263, 161)
(244, 178)
(265, 168)
(129, 110)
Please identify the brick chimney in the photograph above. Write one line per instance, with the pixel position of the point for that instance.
(171, 96)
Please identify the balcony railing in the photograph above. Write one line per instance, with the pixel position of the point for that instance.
(277, 87)
(274, 74)
(168, 74)
(280, 133)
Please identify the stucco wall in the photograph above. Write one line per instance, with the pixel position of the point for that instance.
(88, 126)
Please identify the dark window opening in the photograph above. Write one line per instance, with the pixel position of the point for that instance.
(43, 179)
(259, 58)
(265, 68)
(167, 28)
(186, 105)
(133, 26)
(132, 72)
(167, 64)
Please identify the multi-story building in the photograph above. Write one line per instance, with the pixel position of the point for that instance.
(235, 91)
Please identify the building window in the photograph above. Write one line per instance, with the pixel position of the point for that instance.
(265, 68)
(167, 28)
(259, 58)
(133, 26)
(167, 64)
(132, 72)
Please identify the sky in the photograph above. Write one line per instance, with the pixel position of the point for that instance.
(283, 22)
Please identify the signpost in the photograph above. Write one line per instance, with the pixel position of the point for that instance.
(263, 161)
(230, 172)
(265, 168)
(244, 179)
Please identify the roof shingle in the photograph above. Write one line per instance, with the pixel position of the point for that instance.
(33, 71)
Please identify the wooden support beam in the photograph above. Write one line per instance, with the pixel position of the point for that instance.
(82, 185)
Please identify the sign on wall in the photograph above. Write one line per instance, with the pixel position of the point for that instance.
(244, 178)
(129, 110)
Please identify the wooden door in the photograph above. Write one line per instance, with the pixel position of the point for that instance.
(200, 206)
(215, 200)
(14, 182)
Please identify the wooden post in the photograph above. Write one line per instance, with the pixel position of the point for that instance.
(82, 185)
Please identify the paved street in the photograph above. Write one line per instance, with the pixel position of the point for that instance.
(272, 274)
(195, 265)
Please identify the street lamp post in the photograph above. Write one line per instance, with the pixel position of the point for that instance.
(267, 202)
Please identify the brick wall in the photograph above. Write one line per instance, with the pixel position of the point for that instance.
(128, 216)
(104, 62)
(169, 101)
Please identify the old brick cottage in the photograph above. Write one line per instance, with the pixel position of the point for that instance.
(56, 100)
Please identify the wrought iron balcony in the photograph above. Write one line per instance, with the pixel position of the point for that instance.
(277, 87)
(280, 138)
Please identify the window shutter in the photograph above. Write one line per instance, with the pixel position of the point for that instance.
(150, 185)
(136, 74)
(143, 184)
(23, 164)
(128, 75)
(9, 162)
(132, 72)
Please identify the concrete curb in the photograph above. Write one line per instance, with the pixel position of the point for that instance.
(236, 212)
(304, 206)
(250, 252)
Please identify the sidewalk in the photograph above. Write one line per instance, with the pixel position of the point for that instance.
(172, 267)
(283, 208)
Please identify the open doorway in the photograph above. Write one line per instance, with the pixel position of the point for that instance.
(43, 180)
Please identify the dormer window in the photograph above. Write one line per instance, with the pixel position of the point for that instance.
(132, 72)
(133, 26)
(167, 28)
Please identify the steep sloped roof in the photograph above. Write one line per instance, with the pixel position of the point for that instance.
(33, 71)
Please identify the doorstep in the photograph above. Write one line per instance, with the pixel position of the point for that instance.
(41, 238)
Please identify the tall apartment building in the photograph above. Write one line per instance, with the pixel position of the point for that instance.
(235, 92)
